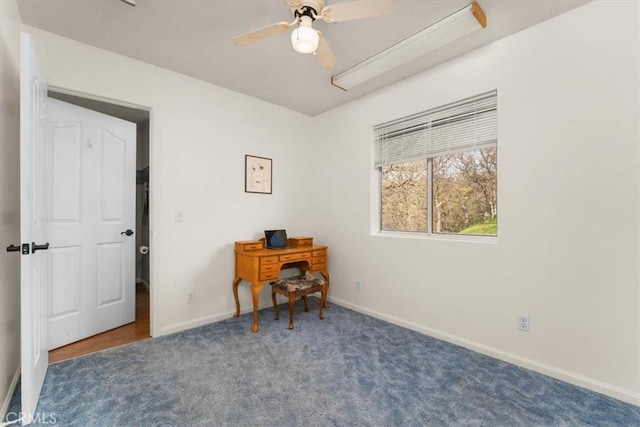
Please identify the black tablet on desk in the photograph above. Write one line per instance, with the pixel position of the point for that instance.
(276, 239)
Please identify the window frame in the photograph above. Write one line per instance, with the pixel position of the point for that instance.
(429, 234)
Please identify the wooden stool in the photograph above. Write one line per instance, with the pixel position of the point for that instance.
(298, 287)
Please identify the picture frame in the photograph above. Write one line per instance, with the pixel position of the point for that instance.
(258, 173)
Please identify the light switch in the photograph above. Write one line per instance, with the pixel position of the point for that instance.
(179, 216)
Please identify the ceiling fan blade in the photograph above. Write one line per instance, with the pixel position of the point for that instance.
(261, 33)
(294, 4)
(356, 9)
(324, 53)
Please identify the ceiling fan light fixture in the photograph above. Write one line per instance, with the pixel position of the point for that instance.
(304, 39)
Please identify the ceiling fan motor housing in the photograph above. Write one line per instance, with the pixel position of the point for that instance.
(306, 11)
(318, 5)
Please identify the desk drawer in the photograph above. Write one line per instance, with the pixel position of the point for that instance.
(268, 267)
(318, 267)
(268, 260)
(319, 260)
(269, 275)
(301, 241)
(249, 245)
(295, 257)
(321, 252)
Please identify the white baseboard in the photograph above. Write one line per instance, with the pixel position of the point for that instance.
(629, 396)
(179, 327)
(12, 389)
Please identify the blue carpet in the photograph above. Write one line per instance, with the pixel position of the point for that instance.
(346, 370)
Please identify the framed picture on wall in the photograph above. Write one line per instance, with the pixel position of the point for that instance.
(257, 174)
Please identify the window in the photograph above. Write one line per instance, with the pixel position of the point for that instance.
(438, 169)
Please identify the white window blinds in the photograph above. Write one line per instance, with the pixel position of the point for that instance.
(460, 126)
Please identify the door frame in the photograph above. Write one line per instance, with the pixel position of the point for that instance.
(152, 185)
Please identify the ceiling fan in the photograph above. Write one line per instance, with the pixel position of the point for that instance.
(306, 39)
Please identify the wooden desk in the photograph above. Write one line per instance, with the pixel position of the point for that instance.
(259, 265)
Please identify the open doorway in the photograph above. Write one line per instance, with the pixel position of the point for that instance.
(140, 328)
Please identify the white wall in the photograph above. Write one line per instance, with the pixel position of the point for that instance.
(568, 247)
(200, 134)
(9, 199)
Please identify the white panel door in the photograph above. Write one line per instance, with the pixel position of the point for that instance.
(91, 171)
(33, 266)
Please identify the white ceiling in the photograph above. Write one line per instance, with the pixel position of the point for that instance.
(193, 37)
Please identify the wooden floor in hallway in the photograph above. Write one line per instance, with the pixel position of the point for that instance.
(126, 334)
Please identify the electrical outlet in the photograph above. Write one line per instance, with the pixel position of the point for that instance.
(191, 297)
(524, 322)
(358, 285)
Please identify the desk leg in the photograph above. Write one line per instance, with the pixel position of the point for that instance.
(327, 277)
(255, 294)
(235, 295)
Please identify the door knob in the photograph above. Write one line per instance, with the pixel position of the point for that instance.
(35, 247)
(13, 248)
(129, 232)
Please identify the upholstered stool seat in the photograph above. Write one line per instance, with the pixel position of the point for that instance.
(298, 287)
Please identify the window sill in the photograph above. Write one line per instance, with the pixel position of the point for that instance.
(469, 238)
